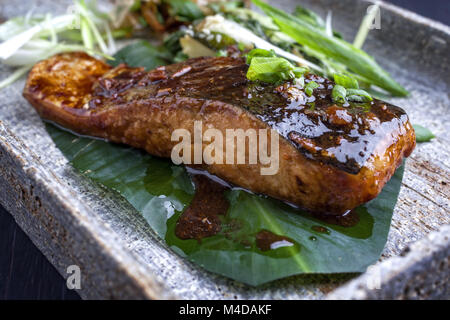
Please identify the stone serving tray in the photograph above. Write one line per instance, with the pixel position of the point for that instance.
(74, 221)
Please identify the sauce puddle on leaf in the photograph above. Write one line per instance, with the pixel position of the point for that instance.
(266, 240)
(348, 219)
(202, 217)
(275, 245)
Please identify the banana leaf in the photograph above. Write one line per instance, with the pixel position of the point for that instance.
(161, 191)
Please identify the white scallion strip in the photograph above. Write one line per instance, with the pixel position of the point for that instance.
(240, 34)
(14, 76)
(86, 33)
(87, 17)
(328, 26)
(364, 28)
(111, 43)
(50, 27)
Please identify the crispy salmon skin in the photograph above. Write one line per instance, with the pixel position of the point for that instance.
(332, 157)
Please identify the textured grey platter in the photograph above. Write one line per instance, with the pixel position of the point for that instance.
(74, 221)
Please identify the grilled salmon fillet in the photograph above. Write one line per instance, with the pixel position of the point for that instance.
(332, 157)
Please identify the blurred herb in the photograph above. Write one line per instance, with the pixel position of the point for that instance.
(346, 81)
(143, 54)
(423, 134)
(29, 39)
(184, 10)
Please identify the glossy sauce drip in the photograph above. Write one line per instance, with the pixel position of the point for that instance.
(348, 219)
(202, 217)
(276, 246)
(320, 229)
(266, 240)
(343, 135)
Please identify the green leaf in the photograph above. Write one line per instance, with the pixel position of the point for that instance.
(422, 134)
(346, 81)
(160, 191)
(142, 54)
(343, 52)
(185, 10)
(225, 6)
(338, 94)
(172, 41)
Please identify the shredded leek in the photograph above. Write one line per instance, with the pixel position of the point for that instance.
(29, 39)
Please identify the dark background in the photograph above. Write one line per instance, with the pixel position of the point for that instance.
(26, 274)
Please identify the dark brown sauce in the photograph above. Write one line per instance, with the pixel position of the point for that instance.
(202, 218)
(343, 135)
(320, 229)
(266, 240)
(348, 219)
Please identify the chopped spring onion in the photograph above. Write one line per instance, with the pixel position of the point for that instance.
(309, 88)
(338, 94)
(267, 67)
(346, 81)
(358, 95)
(309, 17)
(221, 53)
(15, 42)
(259, 53)
(270, 69)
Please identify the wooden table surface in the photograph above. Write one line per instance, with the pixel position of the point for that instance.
(26, 274)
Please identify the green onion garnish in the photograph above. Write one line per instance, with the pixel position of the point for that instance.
(336, 49)
(270, 69)
(267, 67)
(338, 94)
(259, 53)
(358, 95)
(309, 88)
(346, 81)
